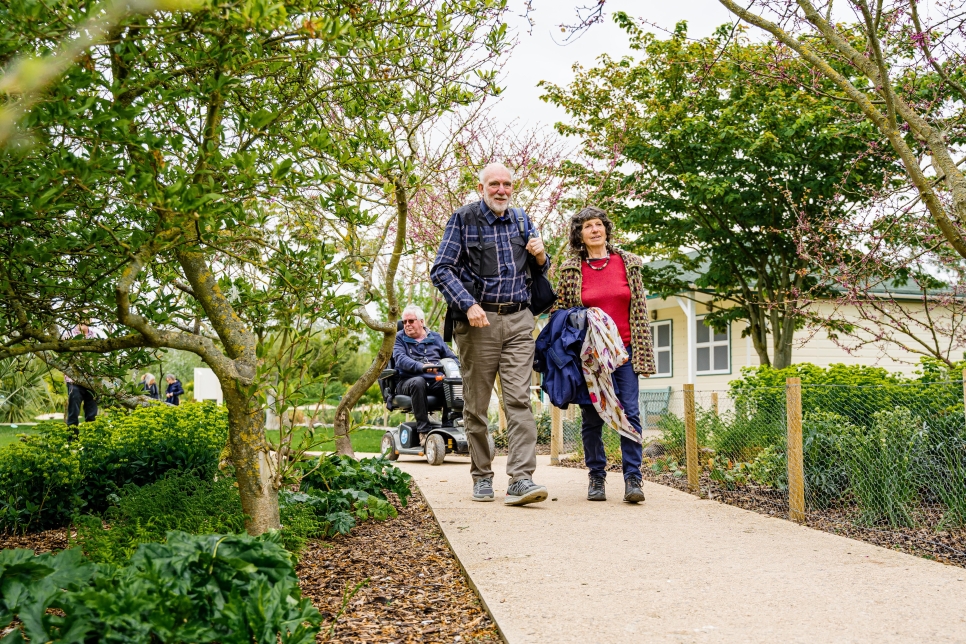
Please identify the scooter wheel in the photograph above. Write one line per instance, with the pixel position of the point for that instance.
(492, 445)
(388, 448)
(435, 449)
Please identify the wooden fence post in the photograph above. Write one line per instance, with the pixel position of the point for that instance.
(796, 465)
(691, 439)
(556, 434)
(714, 402)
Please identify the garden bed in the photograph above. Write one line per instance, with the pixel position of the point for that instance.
(413, 590)
(945, 546)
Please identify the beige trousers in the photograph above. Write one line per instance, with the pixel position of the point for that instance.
(504, 347)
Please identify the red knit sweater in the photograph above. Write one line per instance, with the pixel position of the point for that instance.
(608, 290)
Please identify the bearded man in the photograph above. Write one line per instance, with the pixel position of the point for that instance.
(481, 270)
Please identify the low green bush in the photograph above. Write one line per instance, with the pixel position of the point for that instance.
(39, 481)
(147, 443)
(878, 460)
(825, 475)
(232, 589)
(672, 435)
(47, 478)
(180, 501)
(341, 491)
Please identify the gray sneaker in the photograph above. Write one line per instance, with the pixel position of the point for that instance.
(525, 491)
(483, 490)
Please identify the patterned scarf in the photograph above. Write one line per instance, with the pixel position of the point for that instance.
(602, 353)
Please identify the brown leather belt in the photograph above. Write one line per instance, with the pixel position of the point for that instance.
(503, 309)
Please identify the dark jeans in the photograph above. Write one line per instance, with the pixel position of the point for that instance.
(418, 388)
(75, 396)
(627, 388)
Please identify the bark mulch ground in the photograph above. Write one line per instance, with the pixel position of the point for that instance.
(387, 581)
(945, 546)
(393, 581)
(39, 542)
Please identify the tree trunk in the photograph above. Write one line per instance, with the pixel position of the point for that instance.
(782, 339)
(249, 454)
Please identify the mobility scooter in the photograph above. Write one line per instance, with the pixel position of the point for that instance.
(446, 436)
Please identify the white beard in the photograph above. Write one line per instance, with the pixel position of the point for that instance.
(498, 209)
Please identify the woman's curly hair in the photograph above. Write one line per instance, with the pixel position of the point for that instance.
(577, 225)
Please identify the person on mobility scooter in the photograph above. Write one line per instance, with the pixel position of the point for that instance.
(423, 377)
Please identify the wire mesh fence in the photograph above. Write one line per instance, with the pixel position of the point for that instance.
(883, 463)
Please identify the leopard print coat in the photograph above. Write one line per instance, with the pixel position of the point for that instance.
(568, 296)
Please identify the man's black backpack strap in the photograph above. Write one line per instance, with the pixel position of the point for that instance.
(542, 295)
(469, 216)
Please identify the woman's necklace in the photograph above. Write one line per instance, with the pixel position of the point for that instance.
(603, 266)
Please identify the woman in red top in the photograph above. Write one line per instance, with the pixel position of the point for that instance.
(610, 279)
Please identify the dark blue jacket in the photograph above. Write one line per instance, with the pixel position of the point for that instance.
(176, 391)
(409, 355)
(557, 357)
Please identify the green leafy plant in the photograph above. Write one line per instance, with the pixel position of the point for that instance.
(728, 473)
(951, 487)
(668, 464)
(879, 465)
(39, 481)
(672, 435)
(342, 491)
(47, 478)
(180, 501)
(770, 468)
(232, 589)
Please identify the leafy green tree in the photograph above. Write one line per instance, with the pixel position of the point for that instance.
(161, 188)
(710, 153)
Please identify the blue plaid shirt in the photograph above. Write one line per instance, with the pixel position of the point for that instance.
(450, 267)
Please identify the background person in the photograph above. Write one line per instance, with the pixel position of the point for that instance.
(415, 349)
(483, 251)
(78, 395)
(610, 279)
(150, 386)
(174, 391)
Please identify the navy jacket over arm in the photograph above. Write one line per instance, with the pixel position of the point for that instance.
(410, 355)
(557, 358)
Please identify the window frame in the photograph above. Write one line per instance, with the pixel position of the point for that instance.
(711, 344)
(669, 349)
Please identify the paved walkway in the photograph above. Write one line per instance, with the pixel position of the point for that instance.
(679, 569)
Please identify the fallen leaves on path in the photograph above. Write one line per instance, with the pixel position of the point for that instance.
(393, 581)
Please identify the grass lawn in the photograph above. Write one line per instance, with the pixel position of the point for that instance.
(8, 434)
(363, 440)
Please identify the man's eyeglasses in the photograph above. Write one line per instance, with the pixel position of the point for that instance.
(408, 322)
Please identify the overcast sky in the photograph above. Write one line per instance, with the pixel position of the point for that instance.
(538, 57)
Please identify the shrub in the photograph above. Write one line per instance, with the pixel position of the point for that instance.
(180, 501)
(672, 435)
(741, 435)
(825, 475)
(341, 490)
(879, 465)
(826, 479)
(39, 478)
(147, 443)
(770, 468)
(44, 479)
(232, 589)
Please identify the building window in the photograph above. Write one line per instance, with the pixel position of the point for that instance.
(661, 336)
(713, 349)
